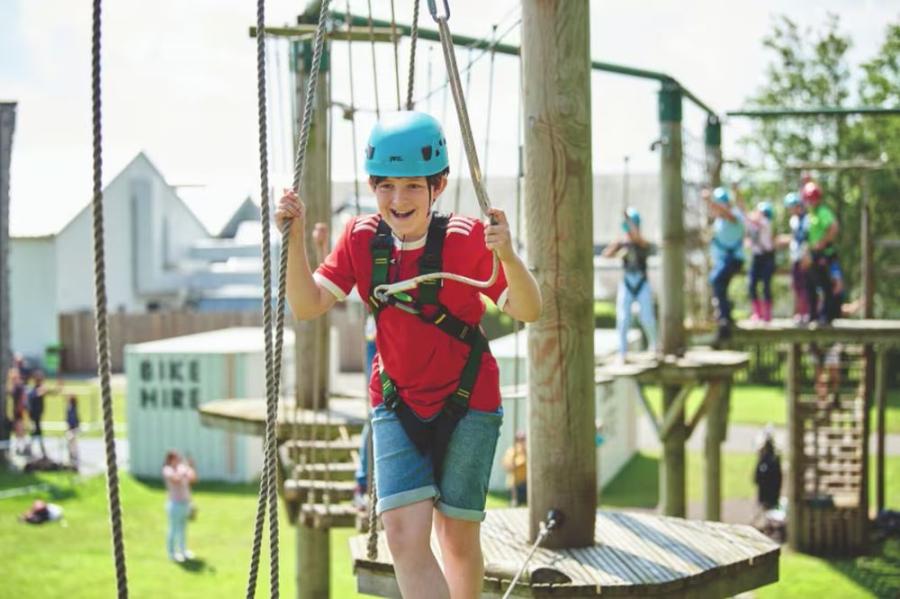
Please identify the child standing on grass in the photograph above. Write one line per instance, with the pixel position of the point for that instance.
(435, 385)
(73, 427)
(179, 475)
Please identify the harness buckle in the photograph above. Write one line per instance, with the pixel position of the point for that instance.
(457, 405)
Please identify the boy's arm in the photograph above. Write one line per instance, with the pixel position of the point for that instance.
(306, 297)
(523, 296)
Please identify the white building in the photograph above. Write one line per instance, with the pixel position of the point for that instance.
(149, 231)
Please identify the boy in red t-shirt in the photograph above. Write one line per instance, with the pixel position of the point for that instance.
(435, 385)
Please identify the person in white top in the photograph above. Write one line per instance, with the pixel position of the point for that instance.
(178, 475)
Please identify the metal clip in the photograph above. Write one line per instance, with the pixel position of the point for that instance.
(432, 6)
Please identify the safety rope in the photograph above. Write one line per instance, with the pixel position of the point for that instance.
(553, 521)
(353, 109)
(268, 492)
(395, 38)
(383, 291)
(374, 63)
(490, 106)
(100, 318)
(413, 38)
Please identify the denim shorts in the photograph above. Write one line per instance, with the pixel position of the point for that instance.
(404, 476)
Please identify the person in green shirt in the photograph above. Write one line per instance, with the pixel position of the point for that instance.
(822, 230)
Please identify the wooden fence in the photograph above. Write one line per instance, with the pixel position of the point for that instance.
(79, 354)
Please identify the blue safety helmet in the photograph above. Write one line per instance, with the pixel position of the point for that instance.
(406, 144)
(792, 200)
(632, 219)
(721, 195)
(766, 209)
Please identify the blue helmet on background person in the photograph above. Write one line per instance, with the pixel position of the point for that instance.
(632, 218)
(406, 144)
(766, 209)
(721, 195)
(792, 200)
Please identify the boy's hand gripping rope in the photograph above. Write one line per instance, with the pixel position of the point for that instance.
(383, 291)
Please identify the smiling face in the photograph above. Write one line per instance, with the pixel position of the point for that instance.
(405, 205)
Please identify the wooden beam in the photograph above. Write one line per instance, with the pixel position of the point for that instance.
(794, 448)
(880, 404)
(556, 73)
(711, 395)
(301, 32)
(313, 562)
(675, 412)
(718, 395)
(654, 420)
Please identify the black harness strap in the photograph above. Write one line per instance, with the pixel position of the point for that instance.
(634, 290)
(432, 436)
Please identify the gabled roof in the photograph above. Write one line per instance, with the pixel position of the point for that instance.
(248, 210)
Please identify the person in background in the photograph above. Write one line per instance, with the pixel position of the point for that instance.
(727, 253)
(798, 250)
(18, 399)
(179, 475)
(822, 231)
(634, 286)
(768, 474)
(73, 425)
(762, 266)
(515, 462)
(36, 396)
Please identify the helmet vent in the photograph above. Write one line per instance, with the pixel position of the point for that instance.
(395, 159)
(426, 153)
(370, 152)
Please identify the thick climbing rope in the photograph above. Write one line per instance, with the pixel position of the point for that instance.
(353, 109)
(103, 366)
(458, 192)
(413, 38)
(396, 41)
(383, 291)
(374, 62)
(268, 493)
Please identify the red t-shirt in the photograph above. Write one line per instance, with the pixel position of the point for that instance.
(424, 362)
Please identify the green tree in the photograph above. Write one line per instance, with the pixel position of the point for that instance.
(810, 69)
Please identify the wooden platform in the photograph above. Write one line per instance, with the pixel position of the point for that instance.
(248, 416)
(696, 364)
(636, 554)
(844, 330)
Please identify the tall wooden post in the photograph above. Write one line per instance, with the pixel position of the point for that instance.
(557, 103)
(869, 358)
(7, 126)
(672, 470)
(716, 427)
(795, 449)
(713, 142)
(312, 346)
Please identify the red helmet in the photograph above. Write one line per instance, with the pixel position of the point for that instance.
(811, 192)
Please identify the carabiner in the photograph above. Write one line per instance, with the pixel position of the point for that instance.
(432, 6)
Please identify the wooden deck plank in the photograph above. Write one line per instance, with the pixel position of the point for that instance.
(780, 330)
(248, 416)
(636, 555)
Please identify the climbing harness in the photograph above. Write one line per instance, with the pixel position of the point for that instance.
(432, 436)
(635, 261)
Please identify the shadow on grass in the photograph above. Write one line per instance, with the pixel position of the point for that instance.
(56, 486)
(636, 485)
(878, 572)
(197, 565)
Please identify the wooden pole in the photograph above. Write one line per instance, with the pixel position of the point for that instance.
(713, 137)
(7, 126)
(313, 568)
(557, 103)
(716, 425)
(672, 469)
(880, 402)
(870, 384)
(312, 348)
(794, 449)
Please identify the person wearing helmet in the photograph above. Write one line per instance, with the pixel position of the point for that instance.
(434, 385)
(762, 266)
(798, 250)
(727, 253)
(634, 286)
(822, 231)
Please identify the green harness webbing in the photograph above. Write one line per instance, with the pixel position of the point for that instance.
(432, 435)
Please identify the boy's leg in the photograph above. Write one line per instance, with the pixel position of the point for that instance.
(647, 316)
(408, 531)
(623, 316)
(461, 551)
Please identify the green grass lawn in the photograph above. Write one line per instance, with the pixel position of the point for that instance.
(763, 404)
(75, 560)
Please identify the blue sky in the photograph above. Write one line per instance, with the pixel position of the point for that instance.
(179, 83)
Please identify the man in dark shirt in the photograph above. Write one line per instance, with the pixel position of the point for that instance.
(36, 409)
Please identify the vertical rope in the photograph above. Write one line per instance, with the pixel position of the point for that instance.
(353, 109)
(396, 41)
(112, 469)
(372, 544)
(374, 62)
(490, 106)
(413, 38)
